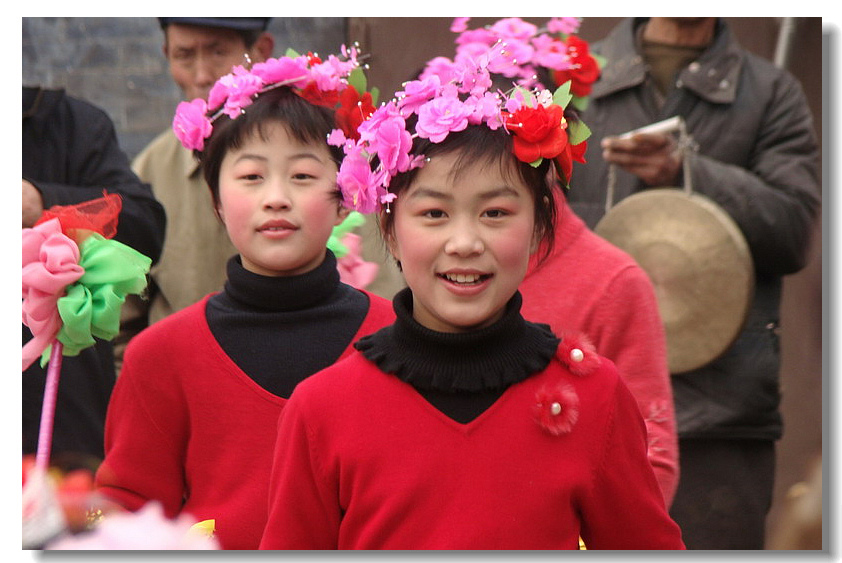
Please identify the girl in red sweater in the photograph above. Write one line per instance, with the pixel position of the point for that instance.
(193, 417)
(461, 425)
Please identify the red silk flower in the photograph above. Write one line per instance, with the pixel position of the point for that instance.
(318, 97)
(584, 71)
(538, 132)
(352, 111)
(568, 155)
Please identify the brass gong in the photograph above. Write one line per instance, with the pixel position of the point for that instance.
(699, 264)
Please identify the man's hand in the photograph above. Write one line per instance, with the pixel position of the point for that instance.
(652, 157)
(33, 205)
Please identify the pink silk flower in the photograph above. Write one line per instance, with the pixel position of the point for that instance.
(50, 264)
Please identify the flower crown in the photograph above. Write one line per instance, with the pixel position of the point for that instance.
(554, 47)
(339, 84)
(446, 98)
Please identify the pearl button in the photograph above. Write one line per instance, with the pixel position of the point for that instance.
(694, 67)
(555, 408)
(577, 355)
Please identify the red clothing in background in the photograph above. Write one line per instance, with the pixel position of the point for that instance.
(590, 286)
(187, 427)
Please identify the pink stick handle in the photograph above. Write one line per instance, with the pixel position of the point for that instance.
(48, 408)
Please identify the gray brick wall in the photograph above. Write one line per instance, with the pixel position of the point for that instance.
(117, 64)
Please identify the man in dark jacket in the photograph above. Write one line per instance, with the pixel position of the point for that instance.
(758, 159)
(70, 155)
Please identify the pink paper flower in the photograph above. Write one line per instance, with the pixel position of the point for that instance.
(368, 128)
(415, 93)
(485, 109)
(294, 71)
(191, 125)
(514, 28)
(550, 53)
(459, 25)
(50, 264)
(353, 270)
(360, 186)
(236, 90)
(480, 35)
(516, 53)
(393, 143)
(563, 25)
(442, 67)
(556, 408)
(441, 116)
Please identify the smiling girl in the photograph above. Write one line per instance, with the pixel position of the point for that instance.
(461, 425)
(193, 418)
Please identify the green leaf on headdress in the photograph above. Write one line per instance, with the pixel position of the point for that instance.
(292, 53)
(580, 103)
(375, 94)
(358, 80)
(600, 60)
(537, 163)
(577, 132)
(525, 94)
(562, 95)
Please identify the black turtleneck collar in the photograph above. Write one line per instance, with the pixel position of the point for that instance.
(279, 330)
(283, 293)
(488, 359)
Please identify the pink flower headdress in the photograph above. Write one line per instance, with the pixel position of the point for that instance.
(338, 83)
(451, 95)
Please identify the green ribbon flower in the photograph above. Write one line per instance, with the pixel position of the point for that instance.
(351, 222)
(91, 307)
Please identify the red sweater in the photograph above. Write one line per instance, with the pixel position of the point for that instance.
(190, 429)
(590, 286)
(364, 462)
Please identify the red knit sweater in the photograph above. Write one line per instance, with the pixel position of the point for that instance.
(590, 286)
(188, 428)
(364, 462)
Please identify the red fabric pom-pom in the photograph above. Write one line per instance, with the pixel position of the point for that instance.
(556, 409)
(577, 353)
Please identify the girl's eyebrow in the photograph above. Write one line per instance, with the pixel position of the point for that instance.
(503, 191)
(296, 156)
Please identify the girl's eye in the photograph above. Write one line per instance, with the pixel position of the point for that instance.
(250, 177)
(495, 213)
(302, 176)
(434, 213)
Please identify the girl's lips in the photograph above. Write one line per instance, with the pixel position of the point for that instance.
(277, 225)
(465, 283)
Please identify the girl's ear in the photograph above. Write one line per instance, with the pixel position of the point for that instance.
(389, 239)
(538, 235)
(342, 214)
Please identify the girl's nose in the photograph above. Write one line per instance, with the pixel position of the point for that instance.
(464, 241)
(276, 196)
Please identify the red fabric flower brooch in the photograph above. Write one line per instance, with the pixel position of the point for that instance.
(556, 408)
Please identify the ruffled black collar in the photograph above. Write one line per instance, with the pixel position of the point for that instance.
(491, 358)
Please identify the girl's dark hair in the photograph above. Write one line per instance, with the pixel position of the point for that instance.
(478, 144)
(304, 121)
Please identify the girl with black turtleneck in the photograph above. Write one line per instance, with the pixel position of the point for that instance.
(462, 425)
(193, 419)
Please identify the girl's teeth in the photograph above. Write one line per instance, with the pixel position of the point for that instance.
(463, 278)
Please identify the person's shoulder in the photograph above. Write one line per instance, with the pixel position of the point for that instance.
(379, 306)
(578, 360)
(347, 377)
(172, 332)
(165, 141)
